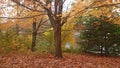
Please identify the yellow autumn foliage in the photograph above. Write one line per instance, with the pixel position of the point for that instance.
(67, 35)
(9, 41)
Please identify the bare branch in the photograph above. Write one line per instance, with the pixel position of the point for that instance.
(106, 5)
(52, 31)
(41, 23)
(27, 7)
(22, 17)
(63, 2)
(84, 9)
(65, 19)
(92, 6)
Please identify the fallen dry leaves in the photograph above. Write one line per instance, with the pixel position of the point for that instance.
(49, 61)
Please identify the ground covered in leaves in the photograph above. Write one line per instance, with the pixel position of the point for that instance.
(17, 60)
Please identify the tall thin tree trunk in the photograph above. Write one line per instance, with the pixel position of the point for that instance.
(34, 35)
(57, 43)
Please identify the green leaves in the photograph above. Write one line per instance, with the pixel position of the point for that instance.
(99, 32)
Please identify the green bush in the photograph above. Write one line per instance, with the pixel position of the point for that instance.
(44, 44)
(10, 41)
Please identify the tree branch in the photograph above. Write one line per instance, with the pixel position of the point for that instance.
(41, 23)
(22, 17)
(90, 7)
(27, 7)
(106, 5)
(65, 19)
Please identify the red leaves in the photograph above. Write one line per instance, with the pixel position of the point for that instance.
(47, 61)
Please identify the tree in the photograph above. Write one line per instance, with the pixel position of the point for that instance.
(35, 27)
(54, 10)
(98, 35)
(105, 9)
(56, 22)
(23, 15)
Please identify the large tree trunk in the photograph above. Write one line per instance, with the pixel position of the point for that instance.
(56, 22)
(34, 35)
(57, 43)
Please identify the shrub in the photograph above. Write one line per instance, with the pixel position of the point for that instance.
(10, 41)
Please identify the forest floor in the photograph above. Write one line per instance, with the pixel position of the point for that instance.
(18, 60)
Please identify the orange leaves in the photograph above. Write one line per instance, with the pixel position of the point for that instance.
(49, 5)
(49, 61)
